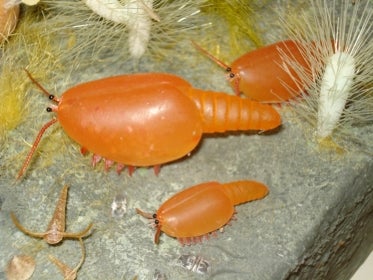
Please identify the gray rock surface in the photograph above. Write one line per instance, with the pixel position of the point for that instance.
(316, 223)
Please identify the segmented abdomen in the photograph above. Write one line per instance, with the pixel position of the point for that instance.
(244, 191)
(222, 112)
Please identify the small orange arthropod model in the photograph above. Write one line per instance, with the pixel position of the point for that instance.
(56, 228)
(202, 209)
(149, 119)
(260, 74)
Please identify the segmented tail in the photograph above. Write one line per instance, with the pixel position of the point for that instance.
(222, 112)
(244, 191)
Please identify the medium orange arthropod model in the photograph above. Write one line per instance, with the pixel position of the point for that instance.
(149, 119)
(199, 210)
(260, 74)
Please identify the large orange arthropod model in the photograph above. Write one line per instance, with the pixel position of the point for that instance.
(149, 119)
(199, 210)
(261, 75)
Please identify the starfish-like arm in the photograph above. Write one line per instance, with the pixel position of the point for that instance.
(24, 230)
(79, 235)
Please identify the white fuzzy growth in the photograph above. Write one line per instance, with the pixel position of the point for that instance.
(139, 26)
(334, 91)
(135, 14)
(336, 85)
(109, 9)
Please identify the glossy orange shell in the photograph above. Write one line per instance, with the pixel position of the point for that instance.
(138, 120)
(261, 75)
(206, 207)
(154, 118)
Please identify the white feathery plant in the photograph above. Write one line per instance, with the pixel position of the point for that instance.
(337, 43)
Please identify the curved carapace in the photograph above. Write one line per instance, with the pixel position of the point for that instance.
(196, 211)
(260, 74)
(132, 120)
(150, 119)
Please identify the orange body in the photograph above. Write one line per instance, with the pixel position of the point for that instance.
(138, 120)
(151, 119)
(260, 74)
(204, 208)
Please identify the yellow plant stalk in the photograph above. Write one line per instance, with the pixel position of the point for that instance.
(242, 34)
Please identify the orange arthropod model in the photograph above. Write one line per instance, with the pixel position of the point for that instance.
(260, 74)
(148, 119)
(197, 211)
